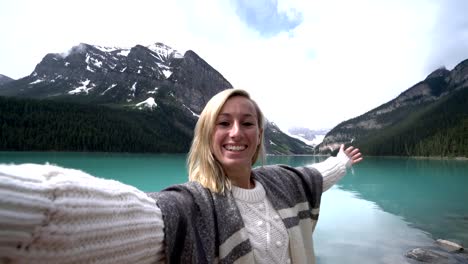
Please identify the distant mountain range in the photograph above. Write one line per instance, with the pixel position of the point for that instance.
(140, 99)
(428, 119)
(308, 136)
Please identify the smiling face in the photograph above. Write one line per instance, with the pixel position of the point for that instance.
(236, 135)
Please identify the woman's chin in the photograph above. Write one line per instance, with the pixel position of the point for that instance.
(235, 164)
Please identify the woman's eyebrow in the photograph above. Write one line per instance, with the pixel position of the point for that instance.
(243, 115)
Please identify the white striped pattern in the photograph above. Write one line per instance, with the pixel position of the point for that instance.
(292, 212)
(50, 214)
(230, 243)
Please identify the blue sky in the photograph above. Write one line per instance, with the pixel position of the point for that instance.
(265, 17)
(307, 62)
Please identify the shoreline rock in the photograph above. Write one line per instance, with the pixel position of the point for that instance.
(449, 245)
(443, 252)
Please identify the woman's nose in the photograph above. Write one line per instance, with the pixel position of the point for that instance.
(235, 130)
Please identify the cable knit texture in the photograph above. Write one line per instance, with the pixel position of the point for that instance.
(50, 214)
(333, 169)
(267, 233)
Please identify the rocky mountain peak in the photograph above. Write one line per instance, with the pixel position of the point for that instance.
(195, 81)
(440, 72)
(459, 75)
(165, 52)
(125, 76)
(121, 75)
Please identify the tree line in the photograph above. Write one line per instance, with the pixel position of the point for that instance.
(43, 125)
(439, 129)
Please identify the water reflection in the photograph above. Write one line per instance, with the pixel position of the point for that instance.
(389, 206)
(429, 194)
(353, 230)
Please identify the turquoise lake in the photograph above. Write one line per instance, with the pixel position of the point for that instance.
(380, 210)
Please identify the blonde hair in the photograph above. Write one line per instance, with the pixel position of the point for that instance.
(203, 167)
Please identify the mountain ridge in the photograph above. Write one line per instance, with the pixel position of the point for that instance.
(395, 119)
(5, 79)
(139, 78)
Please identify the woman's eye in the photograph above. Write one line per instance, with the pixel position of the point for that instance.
(248, 124)
(223, 123)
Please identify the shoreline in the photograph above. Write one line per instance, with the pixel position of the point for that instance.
(410, 157)
(273, 155)
(424, 157)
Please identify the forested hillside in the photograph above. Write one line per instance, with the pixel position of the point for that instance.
(439, 129)
(428, 119)
(28, 124)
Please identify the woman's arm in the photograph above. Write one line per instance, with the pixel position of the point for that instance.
(334, 168)
(50, 214)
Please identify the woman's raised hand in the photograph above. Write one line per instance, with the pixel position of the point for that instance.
(353, 154)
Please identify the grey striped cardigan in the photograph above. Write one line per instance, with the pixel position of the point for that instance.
(205, 227)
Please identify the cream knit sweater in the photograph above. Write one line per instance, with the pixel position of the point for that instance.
(50, 214)
(267, 233)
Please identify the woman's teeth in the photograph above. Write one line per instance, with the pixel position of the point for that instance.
(234, 148)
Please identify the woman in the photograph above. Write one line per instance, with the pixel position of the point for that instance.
(227, 212)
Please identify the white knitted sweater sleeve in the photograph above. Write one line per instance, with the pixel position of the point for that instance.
(333, 169)
(50, 214)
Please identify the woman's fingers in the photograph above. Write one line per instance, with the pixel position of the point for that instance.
(354, 154)
(357, 160)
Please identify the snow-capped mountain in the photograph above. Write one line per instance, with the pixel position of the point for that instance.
(308, 136)
(121, 76)
(156, 78)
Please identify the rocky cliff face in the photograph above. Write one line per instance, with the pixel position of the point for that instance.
(195, 81)
(121, 76)
(437, 85)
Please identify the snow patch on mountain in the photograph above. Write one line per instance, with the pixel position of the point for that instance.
(148, 103)
(83, 88)
(107, 49)
(193, 113)
(308, 136)
(167, 73)
(110, 87)
(133, 89)
(317, 140)
(124, 52)
(36, 81)
(154, 91)
(164, 52)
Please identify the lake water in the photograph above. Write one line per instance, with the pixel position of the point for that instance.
(380, 210)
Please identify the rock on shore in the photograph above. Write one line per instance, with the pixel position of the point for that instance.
(444, 252)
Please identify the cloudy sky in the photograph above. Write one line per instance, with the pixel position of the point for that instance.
(309, 63)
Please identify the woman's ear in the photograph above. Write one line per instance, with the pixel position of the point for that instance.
(260, 135)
